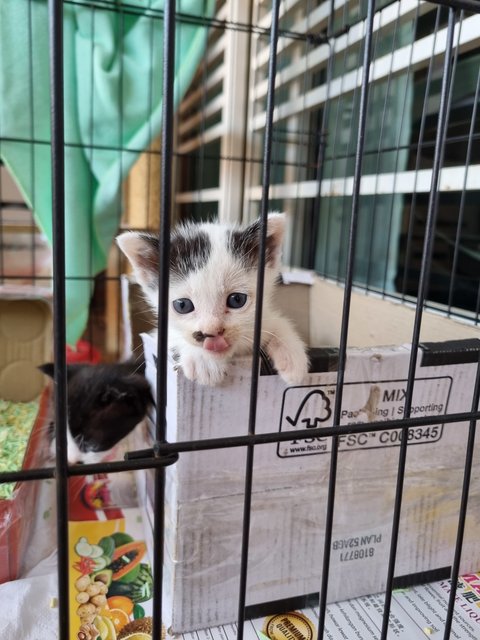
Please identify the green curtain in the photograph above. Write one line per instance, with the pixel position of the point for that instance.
(113, 63)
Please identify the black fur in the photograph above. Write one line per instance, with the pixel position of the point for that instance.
(245, 244)
(190, 249)
(105, 402)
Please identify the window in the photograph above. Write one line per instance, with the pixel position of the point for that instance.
(220, 144)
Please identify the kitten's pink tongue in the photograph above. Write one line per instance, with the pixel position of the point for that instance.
(218, 343)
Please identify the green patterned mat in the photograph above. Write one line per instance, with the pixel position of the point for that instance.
(16, 422)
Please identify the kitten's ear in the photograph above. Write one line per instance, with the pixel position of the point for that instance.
(274, 240)
(275, 233)
(48, 368)
(245, 242)
(142, 252)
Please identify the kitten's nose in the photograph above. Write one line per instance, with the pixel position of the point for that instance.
(200, 336)
(74, 457)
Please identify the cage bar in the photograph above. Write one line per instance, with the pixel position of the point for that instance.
(163, 278)
(316, 44)
(55, 14)
(422, 293)
(342, 354)
(258, 318)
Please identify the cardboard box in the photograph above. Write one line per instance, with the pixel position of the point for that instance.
(26, 337)
(204, 491)
(25, 342)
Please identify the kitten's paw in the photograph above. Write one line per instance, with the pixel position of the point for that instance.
(294, 372)
(202, 370)
(292, 366)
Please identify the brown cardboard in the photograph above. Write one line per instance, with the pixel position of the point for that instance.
(25, 343)
(204, 490)
(204, 498)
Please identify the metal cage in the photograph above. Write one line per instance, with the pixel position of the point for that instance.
(165, 453)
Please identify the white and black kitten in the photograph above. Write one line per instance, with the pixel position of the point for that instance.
(105, 403)
(212, 294)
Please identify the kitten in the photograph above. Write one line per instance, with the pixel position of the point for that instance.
(105, 403)
(213, 282)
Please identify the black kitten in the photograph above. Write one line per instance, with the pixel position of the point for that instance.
(105, 403)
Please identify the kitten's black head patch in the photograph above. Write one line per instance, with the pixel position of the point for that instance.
(245, 243)
(190, 249)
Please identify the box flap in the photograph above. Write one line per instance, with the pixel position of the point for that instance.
(450, 352)
(25, 343)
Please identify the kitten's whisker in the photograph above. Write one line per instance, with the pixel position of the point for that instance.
(45, 427)
(143, 312)
(137, 348)
(274, 335)
(76, 495)
(140, 365)
(80, 441)
(268, 333)
(248, 340)
(151, 323)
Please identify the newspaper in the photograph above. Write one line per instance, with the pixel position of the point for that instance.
(416, 613)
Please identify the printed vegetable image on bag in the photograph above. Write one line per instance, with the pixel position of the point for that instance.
(110, 575)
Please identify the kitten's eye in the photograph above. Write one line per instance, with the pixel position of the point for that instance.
(183, 305)
(236, 300)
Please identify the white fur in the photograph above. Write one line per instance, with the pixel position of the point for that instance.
(208, 289)
(75, 455)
